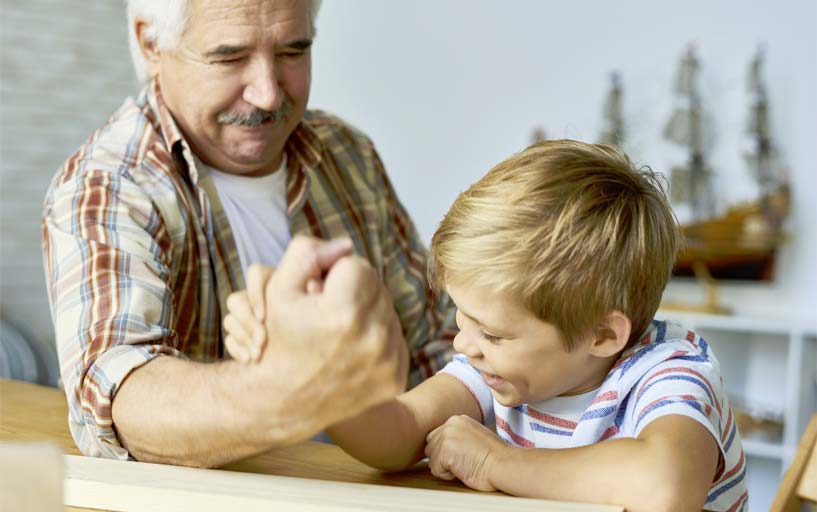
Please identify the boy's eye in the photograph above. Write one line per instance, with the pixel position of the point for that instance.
(490, 338)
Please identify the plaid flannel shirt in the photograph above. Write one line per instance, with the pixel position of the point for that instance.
(140, 258)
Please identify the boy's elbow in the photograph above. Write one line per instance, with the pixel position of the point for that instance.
(666, 492)
(386, 460)
(672, 499)
(392, 465)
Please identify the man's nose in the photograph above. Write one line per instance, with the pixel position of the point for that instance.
(263, 90)
(465, 345)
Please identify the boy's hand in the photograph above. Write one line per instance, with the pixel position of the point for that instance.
(246, 335)
(244, 322)
(463, 448)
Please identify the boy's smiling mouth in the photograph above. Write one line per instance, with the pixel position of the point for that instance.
(491, 379)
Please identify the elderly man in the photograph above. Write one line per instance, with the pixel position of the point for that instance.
(157, 219)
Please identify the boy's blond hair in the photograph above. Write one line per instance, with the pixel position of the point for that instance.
(572, 230)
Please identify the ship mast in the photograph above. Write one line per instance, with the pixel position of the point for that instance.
(763, 160)
(691, 183)
(613, 132)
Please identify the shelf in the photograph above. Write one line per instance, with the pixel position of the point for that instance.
(768, 368)
(737, 323)
(764, 449)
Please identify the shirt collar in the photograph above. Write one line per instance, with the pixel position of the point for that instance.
(304, 145)
(170, 131)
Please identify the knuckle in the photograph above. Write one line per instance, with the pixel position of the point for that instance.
(347, 321)
(379, 335)
(299, 240)
(228, 322)
(357, 267)
(346, 267)
(311, 259)
(233, 300)
(302, 243)
(230, 345)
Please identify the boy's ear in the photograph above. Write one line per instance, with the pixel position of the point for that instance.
(150, 51)
(612, 335)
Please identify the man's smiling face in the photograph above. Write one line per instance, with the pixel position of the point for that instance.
(238, 82)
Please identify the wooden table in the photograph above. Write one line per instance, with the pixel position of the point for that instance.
(36, 413)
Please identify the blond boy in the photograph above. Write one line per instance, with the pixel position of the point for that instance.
(557, 260)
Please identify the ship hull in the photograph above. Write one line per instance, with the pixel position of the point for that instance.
(740, 245)
(731, 267)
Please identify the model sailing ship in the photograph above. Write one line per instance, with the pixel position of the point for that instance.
(740, 243)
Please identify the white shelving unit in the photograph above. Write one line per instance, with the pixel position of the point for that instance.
(769, 365)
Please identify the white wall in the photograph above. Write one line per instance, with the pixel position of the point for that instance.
(64, 68)
(449, 88)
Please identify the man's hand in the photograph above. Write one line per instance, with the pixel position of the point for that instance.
(329, 325)
(463, 448)
(246, 309)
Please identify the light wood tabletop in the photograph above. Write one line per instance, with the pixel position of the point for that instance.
(36, 413)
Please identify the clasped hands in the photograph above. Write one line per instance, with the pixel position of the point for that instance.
(325, 318)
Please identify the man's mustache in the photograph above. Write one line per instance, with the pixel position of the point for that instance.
(256, 117)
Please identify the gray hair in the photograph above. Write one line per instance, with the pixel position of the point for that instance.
(166, 22)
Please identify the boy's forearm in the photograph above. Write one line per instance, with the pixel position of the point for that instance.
(639, 474)
(386, 436)
(392, 436)
(606, 473)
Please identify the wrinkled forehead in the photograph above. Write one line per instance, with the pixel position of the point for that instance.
(211, 20)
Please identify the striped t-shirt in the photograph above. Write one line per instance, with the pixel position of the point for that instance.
(670, 371)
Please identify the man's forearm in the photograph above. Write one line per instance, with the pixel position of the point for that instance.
(175, 411)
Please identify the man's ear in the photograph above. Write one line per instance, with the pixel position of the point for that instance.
(611, 335)
(150, 52)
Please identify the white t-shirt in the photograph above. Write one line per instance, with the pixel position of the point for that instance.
(256, 208)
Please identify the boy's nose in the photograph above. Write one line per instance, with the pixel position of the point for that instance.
(466, 346)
